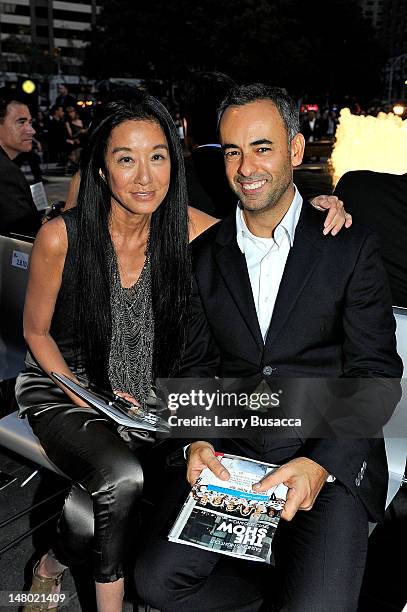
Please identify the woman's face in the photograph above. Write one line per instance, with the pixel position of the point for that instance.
(138, 166)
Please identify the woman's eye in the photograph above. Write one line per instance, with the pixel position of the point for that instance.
(157, 157)
(125, 159)
(231, 153)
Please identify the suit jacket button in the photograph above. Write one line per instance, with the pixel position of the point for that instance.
(267, 370)
(364, 465)
(357, 481)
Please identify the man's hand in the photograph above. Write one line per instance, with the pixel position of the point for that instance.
(200, 456)
(304, 479)
(337, 216)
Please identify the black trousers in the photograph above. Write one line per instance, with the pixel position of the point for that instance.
(319, 561)
(88, 449)
(91, 453)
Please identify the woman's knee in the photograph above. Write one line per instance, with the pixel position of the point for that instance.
(120, 484)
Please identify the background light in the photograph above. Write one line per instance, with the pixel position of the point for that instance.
(28, 86)
(398, 109)
(370, 143)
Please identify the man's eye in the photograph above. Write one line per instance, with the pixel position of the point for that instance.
(263, 149)
(231, 153)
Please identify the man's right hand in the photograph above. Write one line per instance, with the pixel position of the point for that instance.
(202, 455)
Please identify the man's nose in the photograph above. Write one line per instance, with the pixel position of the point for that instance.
(30, 129)
(247, 165)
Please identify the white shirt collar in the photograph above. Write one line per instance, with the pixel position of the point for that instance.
(287, 225)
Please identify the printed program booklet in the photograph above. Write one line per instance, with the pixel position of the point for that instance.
(116, 408)
(227, 516)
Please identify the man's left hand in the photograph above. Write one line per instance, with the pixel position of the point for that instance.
(304, 479)
(337, 216)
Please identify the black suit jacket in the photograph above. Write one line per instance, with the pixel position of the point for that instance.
(380, 200)
(17, 209)
(332, 318)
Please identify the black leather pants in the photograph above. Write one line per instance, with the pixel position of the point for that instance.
(91, 453)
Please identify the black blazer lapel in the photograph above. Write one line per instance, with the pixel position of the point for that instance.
(232, 266)
(301, 261)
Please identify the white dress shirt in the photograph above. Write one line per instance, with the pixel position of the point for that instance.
(266, 259)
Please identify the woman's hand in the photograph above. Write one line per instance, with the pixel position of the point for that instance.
(127, 397)
(337, 216)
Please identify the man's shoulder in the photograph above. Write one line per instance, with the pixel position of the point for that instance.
(5, 161)
(11, 173)
(312, 222)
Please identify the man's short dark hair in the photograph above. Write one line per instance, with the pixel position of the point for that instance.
(200, 99)
(5, 101)
(245, 94)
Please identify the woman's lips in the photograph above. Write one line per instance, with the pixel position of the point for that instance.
(143, 195)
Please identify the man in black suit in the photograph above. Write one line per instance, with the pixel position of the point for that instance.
(311, 127)
(17, 210)
(282, 300)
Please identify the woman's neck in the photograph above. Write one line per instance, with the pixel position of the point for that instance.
(126, 227)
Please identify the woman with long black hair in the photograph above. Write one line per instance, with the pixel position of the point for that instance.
(107, 300)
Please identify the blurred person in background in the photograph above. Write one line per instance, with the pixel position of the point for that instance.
(56, 136)
(384, 197)
(311, 127)
(75, 135)
(64, 98)
(17, 210)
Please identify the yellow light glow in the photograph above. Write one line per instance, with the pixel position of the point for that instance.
(369, 143)
(28, 86)
(398, 109)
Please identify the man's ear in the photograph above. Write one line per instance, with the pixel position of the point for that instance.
(297, 147)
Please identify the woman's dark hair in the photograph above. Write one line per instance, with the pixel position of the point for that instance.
(168, 245)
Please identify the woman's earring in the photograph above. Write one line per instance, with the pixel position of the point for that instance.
(102, 176)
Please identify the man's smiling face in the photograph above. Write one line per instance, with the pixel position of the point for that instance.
(258, 158)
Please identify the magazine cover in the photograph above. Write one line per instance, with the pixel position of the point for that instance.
(227, 516)
(115, 408)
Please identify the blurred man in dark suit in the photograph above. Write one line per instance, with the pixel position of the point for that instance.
(311, 127)
(17, 210)
(208, 188)
(379, 200)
